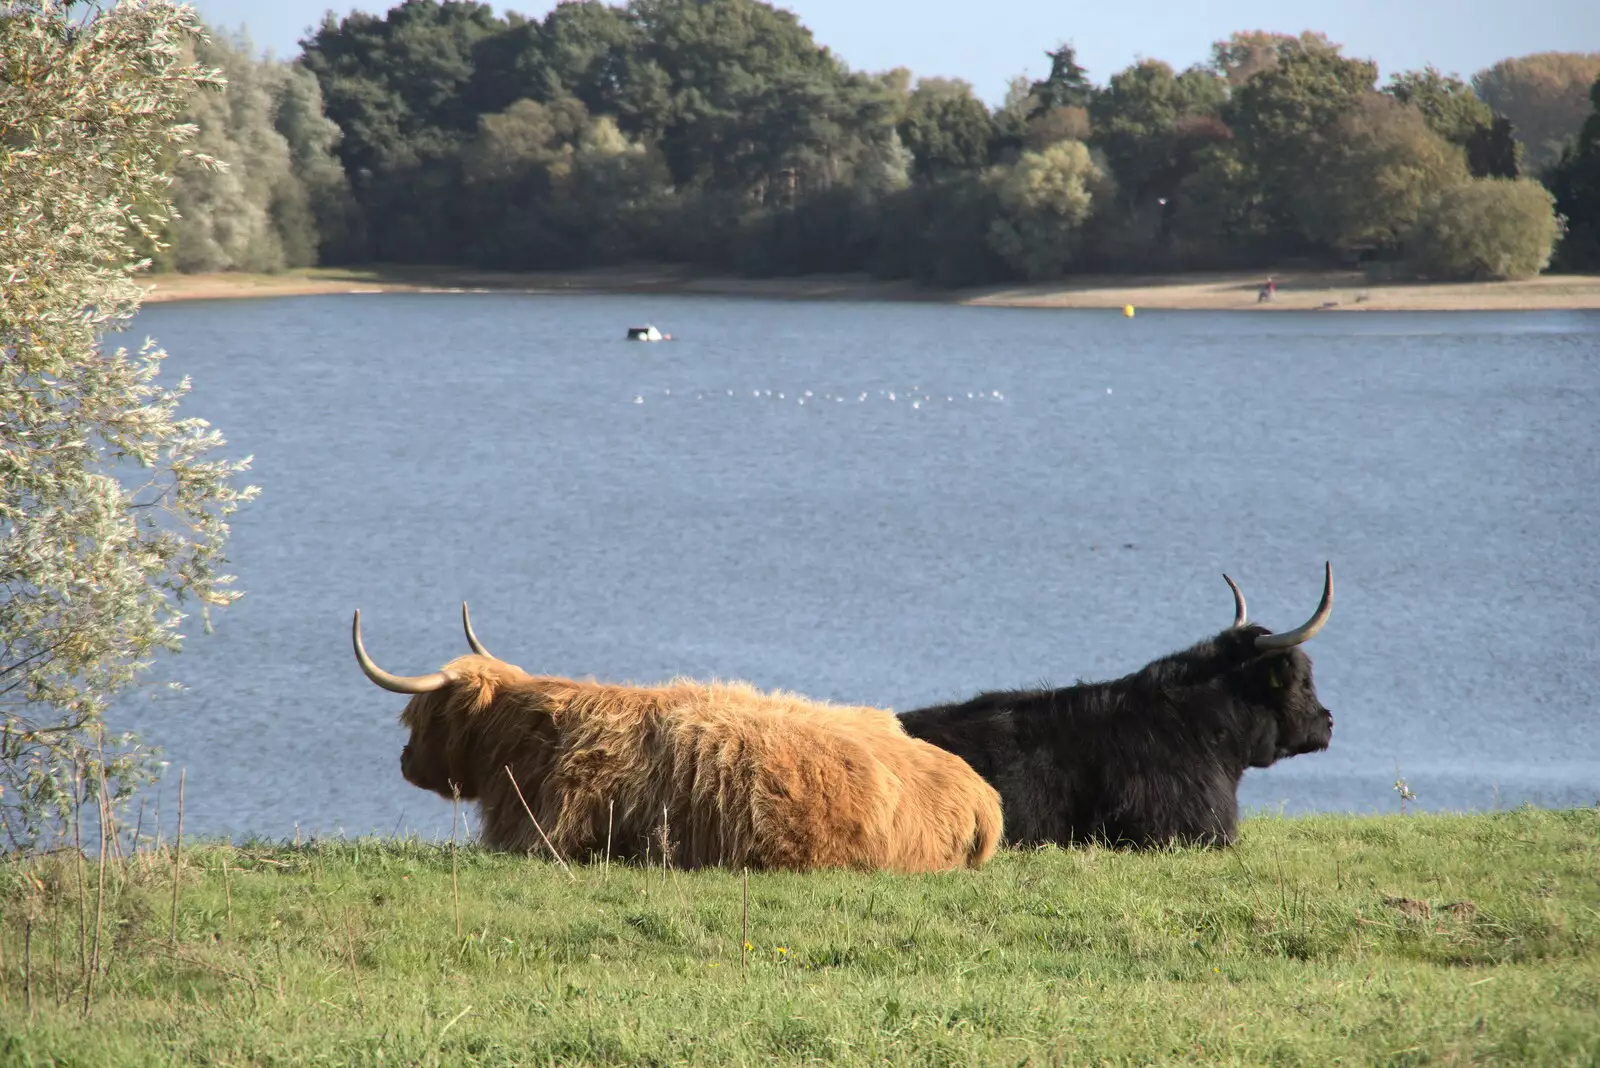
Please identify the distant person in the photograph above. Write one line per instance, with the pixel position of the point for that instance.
(1267, 292)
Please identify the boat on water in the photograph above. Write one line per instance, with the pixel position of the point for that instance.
(647, 333)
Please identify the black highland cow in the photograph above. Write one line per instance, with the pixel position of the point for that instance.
(1150, 758)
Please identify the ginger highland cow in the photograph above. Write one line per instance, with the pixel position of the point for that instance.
(764, 780)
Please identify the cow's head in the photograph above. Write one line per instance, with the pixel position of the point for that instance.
(1275, 676)
(445, 712)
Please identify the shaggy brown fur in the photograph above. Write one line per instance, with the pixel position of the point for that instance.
(747, 778)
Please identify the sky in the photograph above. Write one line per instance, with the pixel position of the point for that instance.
(989, 41)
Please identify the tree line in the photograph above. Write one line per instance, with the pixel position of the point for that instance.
(719, 133)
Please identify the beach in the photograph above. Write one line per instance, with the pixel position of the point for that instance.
(1297, 290)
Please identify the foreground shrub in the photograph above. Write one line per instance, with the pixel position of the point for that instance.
(113, 508)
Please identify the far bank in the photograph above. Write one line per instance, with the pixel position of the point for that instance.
(1297, 290)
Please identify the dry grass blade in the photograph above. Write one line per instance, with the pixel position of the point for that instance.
(77, 864)
(250, 981)
(445, 1030)
(455, 884)
(113, 835)
(227, 891)
(55, 949)
(350, 948)
(177, 857)
(666, 845)
(27, 961)
(100, 896)
(546, 837)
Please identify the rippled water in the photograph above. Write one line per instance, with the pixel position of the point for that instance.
(1049, 495)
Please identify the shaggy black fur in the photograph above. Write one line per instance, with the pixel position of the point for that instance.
(1150, 758)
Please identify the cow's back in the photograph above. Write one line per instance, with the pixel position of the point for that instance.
(1048, 776)
(947, 816)
(769, 781)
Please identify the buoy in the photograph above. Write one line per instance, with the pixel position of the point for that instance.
(1127, 311)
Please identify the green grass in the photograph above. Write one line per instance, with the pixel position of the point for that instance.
(1386, 940)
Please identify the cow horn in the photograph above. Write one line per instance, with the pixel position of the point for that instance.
(393, 683)
(472, 639)
(1307, 630)
(1238, 601)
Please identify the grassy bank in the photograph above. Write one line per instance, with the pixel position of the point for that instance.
(1309, 290)
(1386, 940)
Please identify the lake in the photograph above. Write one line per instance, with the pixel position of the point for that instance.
(889, 504)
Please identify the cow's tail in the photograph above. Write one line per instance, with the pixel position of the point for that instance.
(988, 826)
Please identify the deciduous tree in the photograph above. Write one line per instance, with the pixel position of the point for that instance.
(113, 509)
(1045, 199)
(1546, 97)
(312, 138)
(1280, 118)
(1065, 123)
(1456, 113)
(1485, 229)
(1575, 183)
(945, 127)
(258, 215)
(399, 87)
(1375, 169)
(1136, 121)
(1249, 52)
(696, 68)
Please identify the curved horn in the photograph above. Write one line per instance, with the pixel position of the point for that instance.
(393, 683)
(1307, 630)
(472, 639)
(1238, 601)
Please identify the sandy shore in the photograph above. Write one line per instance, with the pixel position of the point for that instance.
(1297, 290)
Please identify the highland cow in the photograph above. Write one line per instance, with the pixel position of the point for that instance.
(1150, 758)
(764, 780)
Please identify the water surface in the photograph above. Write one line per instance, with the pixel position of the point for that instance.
(1049, 495)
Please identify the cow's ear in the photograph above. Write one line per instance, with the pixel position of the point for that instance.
(1269, 673)
(484, 688)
